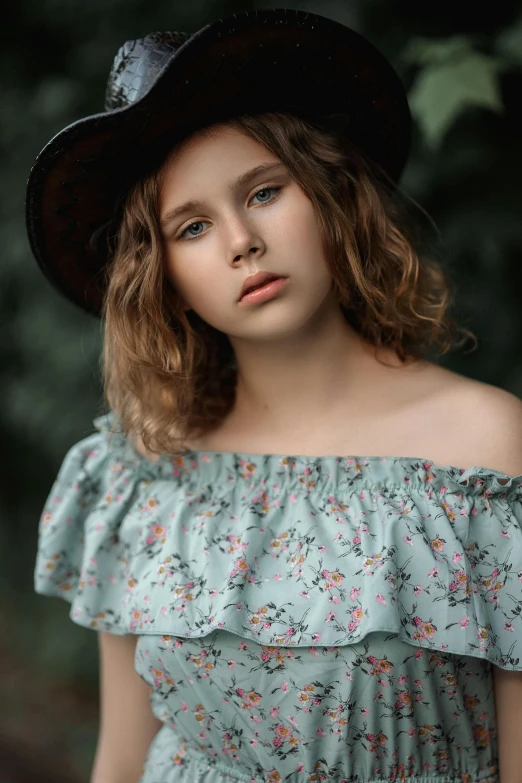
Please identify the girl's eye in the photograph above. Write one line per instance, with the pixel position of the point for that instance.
(275, 188)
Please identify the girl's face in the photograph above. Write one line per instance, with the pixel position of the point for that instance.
(264, 223)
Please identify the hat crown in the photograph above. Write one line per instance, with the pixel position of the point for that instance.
(137, 65)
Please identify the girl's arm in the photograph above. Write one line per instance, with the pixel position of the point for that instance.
(508, 700)
(127, 723)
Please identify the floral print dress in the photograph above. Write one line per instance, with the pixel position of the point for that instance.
(300, 618)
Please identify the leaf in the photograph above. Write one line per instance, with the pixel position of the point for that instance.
(443, 90)
(427, 51)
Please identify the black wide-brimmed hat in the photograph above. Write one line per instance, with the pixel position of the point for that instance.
(166, 85)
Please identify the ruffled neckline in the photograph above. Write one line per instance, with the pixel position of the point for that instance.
(211, 465)
(351, 545)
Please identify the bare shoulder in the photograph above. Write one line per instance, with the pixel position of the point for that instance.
(491, 422)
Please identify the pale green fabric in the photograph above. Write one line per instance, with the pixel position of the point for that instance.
(300, 618)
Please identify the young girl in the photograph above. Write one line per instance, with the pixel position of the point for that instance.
(298, 539)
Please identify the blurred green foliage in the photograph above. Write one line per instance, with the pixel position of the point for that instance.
(463, 72)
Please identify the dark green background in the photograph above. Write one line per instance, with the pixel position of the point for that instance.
(462, 65)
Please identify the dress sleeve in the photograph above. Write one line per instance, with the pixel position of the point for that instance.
(490, 532)
(82, 540)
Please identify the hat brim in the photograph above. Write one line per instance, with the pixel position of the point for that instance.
(252, 62)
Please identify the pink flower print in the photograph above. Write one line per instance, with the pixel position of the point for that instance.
(504, 534)
(299, 767)
(320, 733)
(282, 731)
(316, 637)
(274, 712)
(465, 621)
(184, 706)
(408, 540)
(240, 692)
(417, 589)
(352, 625)
(293, 498)
(284, 686)
(253, 742)
(437, 544)
(356, 540)
(329, 616)
(433, 572)
(278, 577)
(239, 606)
(417, 621)
(354, 593)
(334, 599)
(232, 664)
(428, 629)
(304, 594)
(457, 557)
(380, 598)
(453, 586)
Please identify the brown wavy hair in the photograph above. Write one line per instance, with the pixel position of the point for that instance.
(169, 376)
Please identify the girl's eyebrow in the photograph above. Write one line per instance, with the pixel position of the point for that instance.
(194, 206)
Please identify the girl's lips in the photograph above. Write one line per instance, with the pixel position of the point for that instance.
(265, 292)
